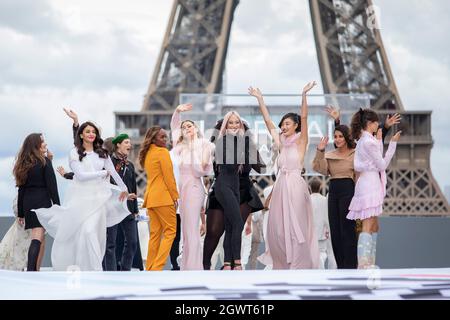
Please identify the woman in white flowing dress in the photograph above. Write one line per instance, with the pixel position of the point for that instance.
(91, 205)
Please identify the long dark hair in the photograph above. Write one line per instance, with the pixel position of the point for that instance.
(345, 130)
(360, 120)
(98, 142)
(148, 140)
(294, 117)
(28, 156)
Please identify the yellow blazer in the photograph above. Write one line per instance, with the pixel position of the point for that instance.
(161, 186)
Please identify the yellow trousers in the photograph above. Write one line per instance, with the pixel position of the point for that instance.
(163, 228)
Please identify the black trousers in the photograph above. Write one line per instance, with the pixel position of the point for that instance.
(129, 227)
(227, 193)
(175, 250)
(343, 230)
(120, 243)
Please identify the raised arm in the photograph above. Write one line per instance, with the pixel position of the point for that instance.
(265, 113)
(304, 137)
(320, 164)
(72, 115)
(376, 156)
(334, 113)
(175, 123)
(390, 121)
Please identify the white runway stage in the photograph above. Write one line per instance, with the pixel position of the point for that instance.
(218, 285)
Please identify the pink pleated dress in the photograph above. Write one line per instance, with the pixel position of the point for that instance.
(291, 240)
(370, 188)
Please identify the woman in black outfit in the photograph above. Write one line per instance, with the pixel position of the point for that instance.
(36, 180)
(230, 177)
(121, 254)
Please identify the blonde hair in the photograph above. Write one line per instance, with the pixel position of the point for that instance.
(225, 122)
(181, 138)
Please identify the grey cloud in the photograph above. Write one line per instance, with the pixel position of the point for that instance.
(29, 17)
(422, 26)
(52, 55)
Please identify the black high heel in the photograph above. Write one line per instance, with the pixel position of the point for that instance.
(237, 265)
(226, 264)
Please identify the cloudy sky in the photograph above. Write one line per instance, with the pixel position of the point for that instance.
(97, 56)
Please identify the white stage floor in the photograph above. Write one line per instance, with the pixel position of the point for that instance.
(390, 284)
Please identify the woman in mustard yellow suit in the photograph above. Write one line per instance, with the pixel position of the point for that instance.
(160, 197)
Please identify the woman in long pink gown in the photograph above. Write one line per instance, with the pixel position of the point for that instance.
(291, 241)
(195, 160)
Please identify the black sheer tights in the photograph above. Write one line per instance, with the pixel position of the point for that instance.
(215, 227)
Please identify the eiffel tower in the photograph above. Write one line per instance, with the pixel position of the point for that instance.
(352, 60)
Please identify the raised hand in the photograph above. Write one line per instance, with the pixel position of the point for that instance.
(379, 134)
(309, 86)
(61, 171)
(333, 112)
(390, 121)
(255, 92)
(72, 115)
(323, 144)
(396, 136)
(184, 107)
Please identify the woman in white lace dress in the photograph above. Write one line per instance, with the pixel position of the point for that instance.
(14, 245)
(91, 205)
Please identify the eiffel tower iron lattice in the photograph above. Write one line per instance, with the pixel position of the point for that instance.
(351, 57)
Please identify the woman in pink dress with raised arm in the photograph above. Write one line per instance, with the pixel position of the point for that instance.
(291, 240)
(194, 154)
(370, 188)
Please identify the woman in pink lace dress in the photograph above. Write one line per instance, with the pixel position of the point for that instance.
(194, 155)
(291, 241)
(370, 188)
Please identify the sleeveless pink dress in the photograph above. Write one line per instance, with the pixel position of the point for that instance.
(291, 241)
(192, 193)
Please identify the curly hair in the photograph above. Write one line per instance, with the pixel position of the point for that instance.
(149, 138)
